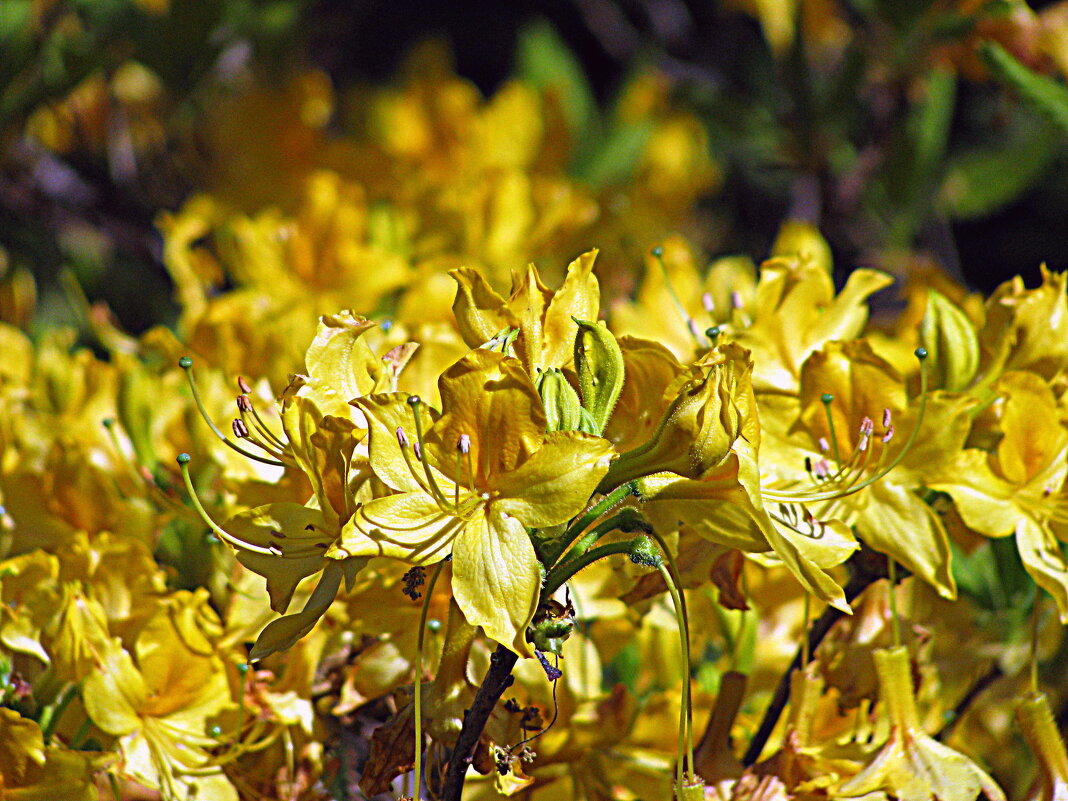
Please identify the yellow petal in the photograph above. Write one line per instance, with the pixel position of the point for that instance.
(489, 398)
(1033, 436)
(21, 745)
(408, 526)
(480, 312)
(555, 483)
(496, 579)
(984, 500)
(530, 298)
(896, 521)
(1042, 558)
(340, 364)
(281, 634)
(115, 692)
(579, 296)
(385, 414)
(292, 529)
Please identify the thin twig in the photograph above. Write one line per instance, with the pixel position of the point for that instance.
(498, 679)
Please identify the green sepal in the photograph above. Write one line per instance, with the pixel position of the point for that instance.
(599, 363)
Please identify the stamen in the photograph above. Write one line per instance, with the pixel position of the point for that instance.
(889, 435)
(243, 403)
(691, 326)
(402, 438)
(225, 536)
(186, 364)
(886, 418)
(464, 444)
(240, 429)
(827, 399)
(243, 385)
(416, 403)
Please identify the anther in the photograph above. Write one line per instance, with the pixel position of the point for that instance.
(822, 468)
(867, 427)
(402, 437)
(418, 450)
(886, 418)
(889, 435)
(736, 299)
(824, 445)
(706, 301)
(243, 403)
(242, 384)
(240, 429)
(695, 332)
(464, 444)
(551, 672)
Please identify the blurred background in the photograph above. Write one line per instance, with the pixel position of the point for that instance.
(914, 134)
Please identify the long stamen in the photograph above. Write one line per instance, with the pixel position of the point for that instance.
(254, 435)
(921, 354)
(691, 326)
(245, 404)
(186, 364)
(225, 536)
(827, 399)
(416, 403)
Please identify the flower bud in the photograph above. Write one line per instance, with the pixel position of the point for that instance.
(951, 342)
(701, 424)
(599, 362)
(563, 409)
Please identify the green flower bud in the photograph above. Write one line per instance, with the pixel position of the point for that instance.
(599, 362)
(951, 343)
(563, 409)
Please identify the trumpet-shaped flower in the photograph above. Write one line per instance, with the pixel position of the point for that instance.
(469, 482)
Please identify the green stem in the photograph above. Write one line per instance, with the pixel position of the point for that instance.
(1034, 641)
(612, 499)
(419, 680)
(563, 572)
(627, 521)
(52, 713)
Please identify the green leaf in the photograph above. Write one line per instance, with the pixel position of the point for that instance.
(1043, 93)
(982, 180)
(545, 61)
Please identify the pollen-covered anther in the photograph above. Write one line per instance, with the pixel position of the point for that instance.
(402, 437)
(889, 435)
(243, 385)
(736, 299)
(887, 419)
(464, 444)
(867, 428)
(707, 303)
(822, 468)
(824, 445)
(243, 403)
(240, 429)
(418, 450)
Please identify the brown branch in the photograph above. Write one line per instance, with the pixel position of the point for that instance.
(498, 679)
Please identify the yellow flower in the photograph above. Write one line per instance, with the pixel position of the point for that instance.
(470, 481)
(1019, 487)
(913, 766)
(158, 700)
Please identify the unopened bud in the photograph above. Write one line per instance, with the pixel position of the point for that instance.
(951, 340)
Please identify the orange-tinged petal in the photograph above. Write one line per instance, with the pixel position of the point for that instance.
(480, 312)
(489, 398)
(555, 483)
(409, 526)
(496, 578)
